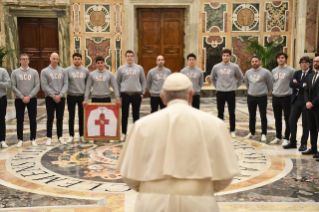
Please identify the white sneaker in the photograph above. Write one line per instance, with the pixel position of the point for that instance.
(71, 139)
(111, 141)
(49, 142)
(123, 137)
(20, 143)
(33, 143)
(284, 142)
(263, 138)
(82, 139)
(233, 135)
(61, 140)
(91, 141)
(4, 144)
(275, 141)
(248, 136)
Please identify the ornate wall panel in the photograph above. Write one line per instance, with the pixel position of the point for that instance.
(77, 44)
(118, 18)
(118, 53)
(97, 46)
(311, 25)
(282, 39)
(215, 17)
(76, 18)
(245, 17)
(276, 16)
(97, 18)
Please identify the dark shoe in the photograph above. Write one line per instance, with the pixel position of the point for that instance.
(309, 152)
(317, 159)
(303, 147)
(316, 155)
(290, 146)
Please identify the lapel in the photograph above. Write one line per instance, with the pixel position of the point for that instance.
(316, 83)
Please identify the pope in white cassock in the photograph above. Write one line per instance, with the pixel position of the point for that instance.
(178, 157)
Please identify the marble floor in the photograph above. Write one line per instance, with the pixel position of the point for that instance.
(81, 177)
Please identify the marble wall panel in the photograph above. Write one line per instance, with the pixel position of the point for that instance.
(97, 46)
(77, 44)
(276, 16)
(245, 17)
(311, 24)
(212, 53)
(97, 18)
(118, 52)
(118, 18)
(214, 17)
(281, 38)
(76, 19)
(240, 56)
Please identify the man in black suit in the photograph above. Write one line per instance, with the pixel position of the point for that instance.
(298, 105)
(312, 104)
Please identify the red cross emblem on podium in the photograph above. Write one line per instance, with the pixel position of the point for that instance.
(102, 122)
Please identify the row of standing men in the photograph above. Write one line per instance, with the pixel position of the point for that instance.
(290, 93)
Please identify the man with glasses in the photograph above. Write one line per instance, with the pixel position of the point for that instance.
(298, 105)
(312, 105)
(25, 85)
(4, 84)
(154, 83)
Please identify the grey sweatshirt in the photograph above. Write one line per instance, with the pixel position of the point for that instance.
(77, 80)
(25, 82)
(226, 77)
(101, 82)
(131, 78)
(155, 80)
(54, 81)
(4, 82)
(258, 82)
(196, 76)
(281, 80)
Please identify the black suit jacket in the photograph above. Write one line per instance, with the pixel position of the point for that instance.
(311, 91)
(299, 84)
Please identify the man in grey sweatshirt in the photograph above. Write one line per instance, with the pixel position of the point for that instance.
(155, 81)
(4, 84)
(54, 81)
(77, 76)
(281, 96)
(132, 84)
(259, 83)
(196, 76)
(25, 85)
(226, 77)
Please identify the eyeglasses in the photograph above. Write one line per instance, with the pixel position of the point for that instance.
(25, 59)
(316, 61)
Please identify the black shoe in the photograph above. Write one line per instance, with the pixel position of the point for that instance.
(309, 152)
(316, 155)
(290, 146)
(303, 147)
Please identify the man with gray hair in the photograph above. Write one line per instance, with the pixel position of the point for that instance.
(161, 170)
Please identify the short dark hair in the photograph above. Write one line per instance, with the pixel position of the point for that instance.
(77, 55)
(99, 58)
(255, 56)
(280, 54)
(226, 51)
(23, 55)
(305, 58)
(191, 55)
(129, 52)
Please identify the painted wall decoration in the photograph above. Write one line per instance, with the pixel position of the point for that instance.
(77, 45)
(240, 56)
(311, 24)
(245, 17)
(281, 38)
(118, 52)
(212, 53)
(97, 18)
(215, 17)
(118, 18)
(97, 46)
(76, 18)
(276, 16)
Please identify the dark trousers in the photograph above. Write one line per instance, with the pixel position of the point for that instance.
(135, 100)
(52, 106)
(32, 112)
(101, 100)
(3, 112)
(196, 101)
(279, 104)
(298, 107)
(230, 98)
(313, 121)
(72, 102)
(156, 102)
(261, 102)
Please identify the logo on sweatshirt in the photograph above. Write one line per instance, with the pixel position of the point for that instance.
(77, 75)
(279, 76)
(254, 78)
(56, 76)
(192, 75)
(130, 72)
(161, 76)
(100, 78)
(25, 77)
(224, 71)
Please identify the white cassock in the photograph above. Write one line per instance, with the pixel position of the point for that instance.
(177, 158)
